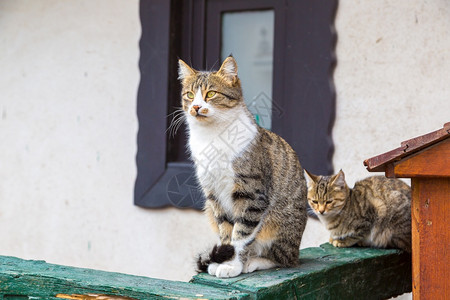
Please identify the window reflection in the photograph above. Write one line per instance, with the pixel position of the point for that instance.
(249, 37)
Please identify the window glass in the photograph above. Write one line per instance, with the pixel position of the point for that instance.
(249, 37)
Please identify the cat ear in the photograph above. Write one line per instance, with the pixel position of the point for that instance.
(338, 179)
(229, 69)
(311, 177)
(184, 70)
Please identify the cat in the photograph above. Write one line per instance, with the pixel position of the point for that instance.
(253, 183)
(376, 212)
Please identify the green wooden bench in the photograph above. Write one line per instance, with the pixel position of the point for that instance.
(325, 272)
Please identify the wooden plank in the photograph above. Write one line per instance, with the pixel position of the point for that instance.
(378, 163)
(328, 273)
(415, 237)
(431, 238)
(324, 273)
(20, 277)
(389, 170)
(431, 162)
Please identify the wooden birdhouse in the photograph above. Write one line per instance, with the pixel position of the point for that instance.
(426, 160)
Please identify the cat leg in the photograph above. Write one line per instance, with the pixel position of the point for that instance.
(234, 266)
(209, 212)
(208, 262)
(218, 219)
(248, 209)
(241, 237)
(225, 230)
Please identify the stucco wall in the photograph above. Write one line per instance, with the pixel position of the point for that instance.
(68, 125)
(392, 78)
(68, 86)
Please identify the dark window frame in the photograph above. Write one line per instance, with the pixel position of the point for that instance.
(303, 65)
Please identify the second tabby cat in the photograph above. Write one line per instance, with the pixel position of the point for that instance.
(375, 213)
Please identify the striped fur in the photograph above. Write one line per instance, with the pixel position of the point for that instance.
(253, 182)
(375, 213)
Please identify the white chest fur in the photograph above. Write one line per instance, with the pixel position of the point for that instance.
(213, 149)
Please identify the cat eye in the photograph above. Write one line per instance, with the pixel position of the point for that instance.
(190, 95)
(314, 201)
(210, 94)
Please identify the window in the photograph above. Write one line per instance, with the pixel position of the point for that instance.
(291, 50)
(249, 36)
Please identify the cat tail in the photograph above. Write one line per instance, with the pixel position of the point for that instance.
(219, 254)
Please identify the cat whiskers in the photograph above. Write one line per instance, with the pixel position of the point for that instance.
(212, 67)
(178, 117)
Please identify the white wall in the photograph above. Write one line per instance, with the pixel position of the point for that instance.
(392, 78)
(68, 125)
(68, 86)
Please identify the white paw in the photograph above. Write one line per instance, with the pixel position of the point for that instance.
(257, 263)
(212, 268)
(250, 266)
(227, 270)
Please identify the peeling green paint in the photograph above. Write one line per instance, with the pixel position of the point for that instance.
(325, 272)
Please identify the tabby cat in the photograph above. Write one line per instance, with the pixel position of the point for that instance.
(375, 213)
(253, 183)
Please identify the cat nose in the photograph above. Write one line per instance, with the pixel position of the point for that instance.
(196, 107)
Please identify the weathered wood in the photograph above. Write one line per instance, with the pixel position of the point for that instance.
(379, 162)
(431, 238)
(425, 159)
(39, 279)
(426, 140)
(328, 273)
(324, 273)
(432, 162)
(92, 297)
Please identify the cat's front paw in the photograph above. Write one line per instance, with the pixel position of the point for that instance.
(257, 263)
(337, 243)
(250, 266)
(212, 268)
(340, 244)
(227, 270)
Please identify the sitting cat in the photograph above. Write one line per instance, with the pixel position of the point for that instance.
(253, 183)
(375, 213)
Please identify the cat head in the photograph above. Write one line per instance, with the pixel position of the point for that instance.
(208, 96)
(327, 194)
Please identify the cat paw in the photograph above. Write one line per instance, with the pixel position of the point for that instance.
(228, 270)
(257, 263)
(212, 268)
(336, 243)
(340, 244)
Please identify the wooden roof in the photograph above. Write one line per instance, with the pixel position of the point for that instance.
(379, 162)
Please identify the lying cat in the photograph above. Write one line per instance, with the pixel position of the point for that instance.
(253, 182)
(375, 213)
